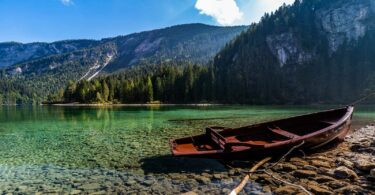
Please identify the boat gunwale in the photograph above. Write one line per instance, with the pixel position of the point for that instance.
(341, 121)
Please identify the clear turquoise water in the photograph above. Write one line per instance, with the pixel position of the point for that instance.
(122, 139)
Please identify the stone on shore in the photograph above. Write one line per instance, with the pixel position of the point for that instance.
(372, 172)
(344, 162)
(337, 184)
(298, 161)
(320, 163)
(364, 163)
(285, 167)
(304, 173)
(343, 172)
(324, 179)
(286, 190)
(349, 189)
(319, 190)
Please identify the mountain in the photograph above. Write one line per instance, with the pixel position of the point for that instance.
(314, 51)
(13, 52)
(197, 43)
(43, 69)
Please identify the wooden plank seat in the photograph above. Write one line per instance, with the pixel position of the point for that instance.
(232, 142)
(216, 137)
(284, 133)
(228, 143)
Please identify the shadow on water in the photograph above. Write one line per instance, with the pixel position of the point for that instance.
(170, 164)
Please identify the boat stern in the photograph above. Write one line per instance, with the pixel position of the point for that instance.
(196, 146)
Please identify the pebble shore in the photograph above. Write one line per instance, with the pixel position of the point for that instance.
(348, 168)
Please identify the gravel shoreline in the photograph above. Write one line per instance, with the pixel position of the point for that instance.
(348, 168)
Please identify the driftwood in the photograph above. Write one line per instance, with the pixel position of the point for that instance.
(254, 170)
(288, 183)
(247, 177)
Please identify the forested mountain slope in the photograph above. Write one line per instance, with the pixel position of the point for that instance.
(195, 43)
(310, 52)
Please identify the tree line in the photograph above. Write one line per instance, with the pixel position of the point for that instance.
(167, 83)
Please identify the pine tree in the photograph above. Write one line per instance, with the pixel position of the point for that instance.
(98, 97)
(105, 91)
(159, 88)
(150, 91)
(70, 91)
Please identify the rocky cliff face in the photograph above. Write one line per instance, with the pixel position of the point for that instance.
(340, 22)
(93, 60)
(346, 21)
(287, 49)
(312, 51)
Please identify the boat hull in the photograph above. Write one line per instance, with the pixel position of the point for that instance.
(312, 141)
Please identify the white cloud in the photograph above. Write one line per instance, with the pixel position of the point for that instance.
(67, 2)
(255, 9)
(225, 12)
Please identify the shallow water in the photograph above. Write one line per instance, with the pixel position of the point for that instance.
(120, 149)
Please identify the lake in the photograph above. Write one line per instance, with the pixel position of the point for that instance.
(51, 149)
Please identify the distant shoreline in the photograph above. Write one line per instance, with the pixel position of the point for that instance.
(130, 105)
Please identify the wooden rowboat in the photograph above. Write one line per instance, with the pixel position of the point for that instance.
(270, 138)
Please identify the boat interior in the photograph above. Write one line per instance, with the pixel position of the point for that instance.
(220, 138)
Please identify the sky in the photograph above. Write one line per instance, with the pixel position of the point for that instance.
(52, 20)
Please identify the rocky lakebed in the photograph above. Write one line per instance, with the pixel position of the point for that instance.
(348, 168)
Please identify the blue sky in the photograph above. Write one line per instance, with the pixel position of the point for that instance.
(52, 20)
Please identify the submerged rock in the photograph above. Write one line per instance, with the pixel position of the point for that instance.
(75, 192)
(203, 179)
(91, 186)
(189, 193)
(218, 176)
